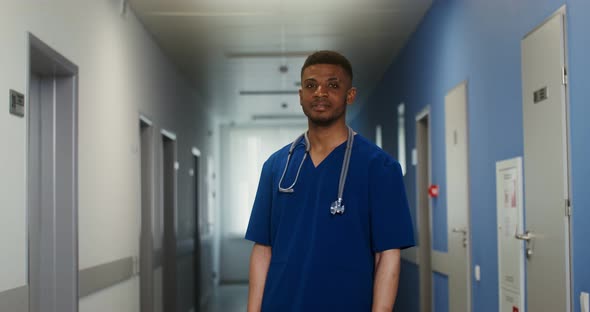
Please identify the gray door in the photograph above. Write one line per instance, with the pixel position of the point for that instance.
(454, 264)
(424, 217)
(52, 178)
(197, 237)
(546, 167)
(169, 167)
(146, 261)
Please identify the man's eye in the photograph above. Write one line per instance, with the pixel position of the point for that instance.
(333, 85)
(309, 85)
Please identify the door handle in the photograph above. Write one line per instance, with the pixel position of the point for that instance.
(459, 230)
(462, 231)
(526, 236)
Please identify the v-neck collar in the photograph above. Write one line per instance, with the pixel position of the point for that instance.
(327, 156)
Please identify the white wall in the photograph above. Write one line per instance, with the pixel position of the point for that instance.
(117, 298)
(121, 72)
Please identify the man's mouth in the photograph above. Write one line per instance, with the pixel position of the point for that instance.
(321, 106)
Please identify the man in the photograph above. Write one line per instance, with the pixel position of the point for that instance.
(331, 213)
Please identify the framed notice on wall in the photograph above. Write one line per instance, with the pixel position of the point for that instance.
(510, 211)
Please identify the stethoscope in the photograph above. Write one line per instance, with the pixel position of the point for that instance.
(337, 206)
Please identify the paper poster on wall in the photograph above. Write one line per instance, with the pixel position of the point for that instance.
(510, 213)
(510, 180)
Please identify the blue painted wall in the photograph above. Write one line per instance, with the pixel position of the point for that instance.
(440, 286)
(479, 41)
(579, 65)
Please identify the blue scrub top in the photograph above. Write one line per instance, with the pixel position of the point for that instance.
(320, 261)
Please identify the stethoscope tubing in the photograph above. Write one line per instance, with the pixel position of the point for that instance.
(290, 188)
(345, 164)
(343, 171)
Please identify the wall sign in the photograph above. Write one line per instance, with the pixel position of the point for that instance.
(17, 103)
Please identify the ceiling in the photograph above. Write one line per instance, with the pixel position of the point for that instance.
(233, 50)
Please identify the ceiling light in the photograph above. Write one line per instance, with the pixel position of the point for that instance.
(208, 14)
(267, 54)
(270, 92)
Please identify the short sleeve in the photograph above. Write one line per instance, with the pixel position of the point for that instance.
(391, 223)
(259, 226)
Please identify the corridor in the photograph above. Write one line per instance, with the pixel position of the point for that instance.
(135, 133)
(228, 298)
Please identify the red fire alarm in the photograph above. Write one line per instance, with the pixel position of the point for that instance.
(514, 309)
(433, 191)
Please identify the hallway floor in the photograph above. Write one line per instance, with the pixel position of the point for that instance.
(228, 298)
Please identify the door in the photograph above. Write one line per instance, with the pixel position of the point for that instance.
(146, 261)
(424, 217)
(454, 264)
(197, 255)
(546, 167)
(169, 169)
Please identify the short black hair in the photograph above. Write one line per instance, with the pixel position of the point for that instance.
(328, 57)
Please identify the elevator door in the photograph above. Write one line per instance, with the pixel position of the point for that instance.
(52, 169)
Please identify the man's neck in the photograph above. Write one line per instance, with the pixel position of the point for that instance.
(326, 138)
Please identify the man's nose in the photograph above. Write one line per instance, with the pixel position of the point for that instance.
(321, 91)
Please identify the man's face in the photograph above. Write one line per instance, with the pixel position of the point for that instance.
(325, 91)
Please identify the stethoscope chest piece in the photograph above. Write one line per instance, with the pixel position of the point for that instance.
(337, 207)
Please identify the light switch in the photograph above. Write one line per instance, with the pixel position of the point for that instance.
(414, 157)
(585, 302)
(477, 273)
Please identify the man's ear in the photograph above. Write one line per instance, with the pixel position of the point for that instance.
(351, 95)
